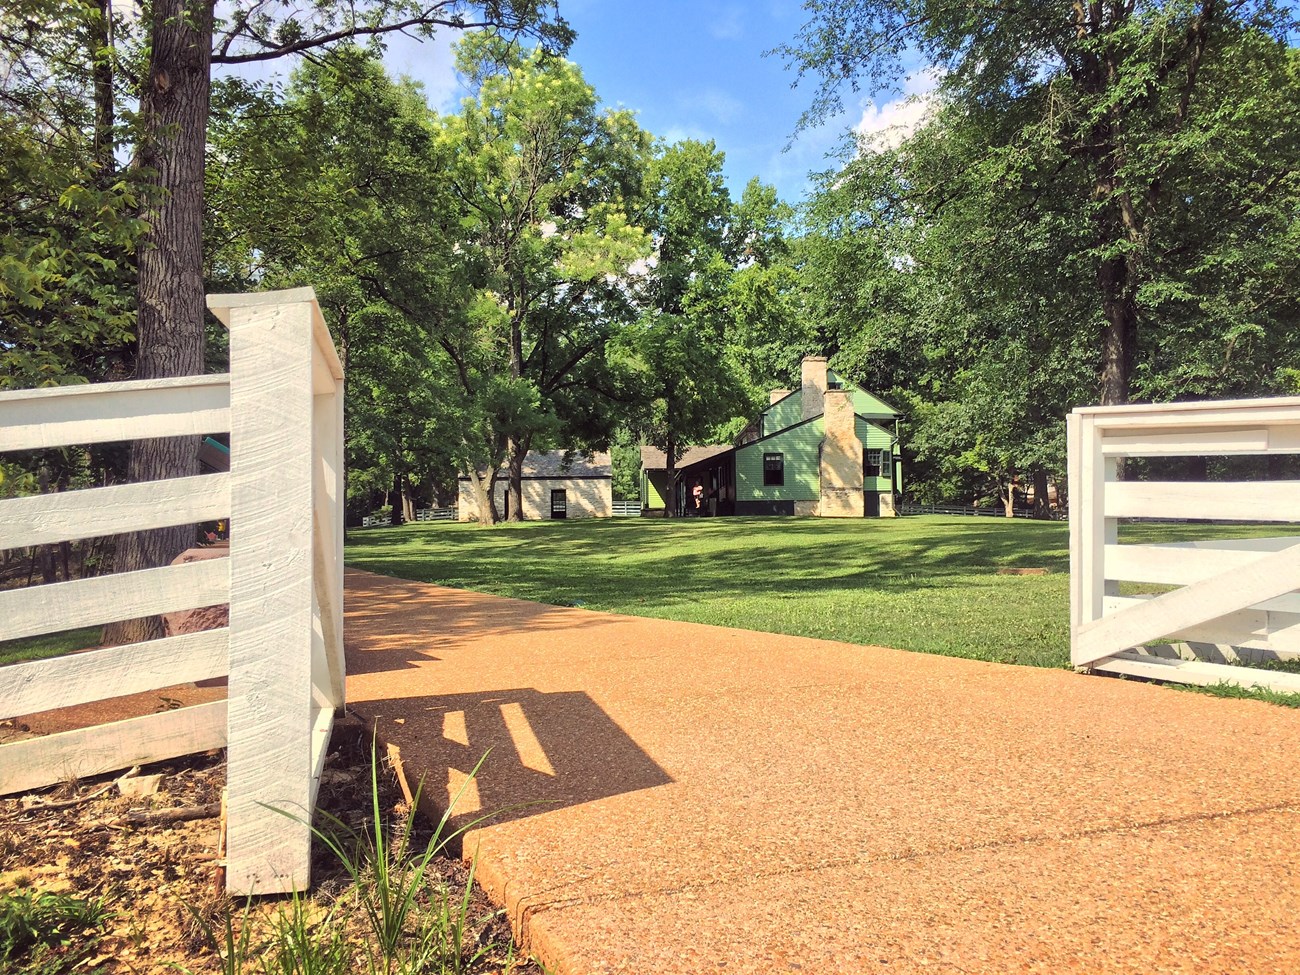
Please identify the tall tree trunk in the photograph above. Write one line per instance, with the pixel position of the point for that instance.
(670, 458)
(517, 450)
(175, 105)
(1009, 500)
(1042, 506)
(101, 40)
(482, 487)
(395, 509)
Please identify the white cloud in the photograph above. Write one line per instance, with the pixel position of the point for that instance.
(429, 62)
(886, 126)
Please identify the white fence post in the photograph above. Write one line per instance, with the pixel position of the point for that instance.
(1236, 595)
(283, 649)
(286, 673)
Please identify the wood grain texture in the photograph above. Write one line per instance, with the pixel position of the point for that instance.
(39, 762)
(1221, 500)
(126, 595)
(1197, 672)
(60, 682)
(110, 412)
(271, 601)
(1269, 576)
(70, 515)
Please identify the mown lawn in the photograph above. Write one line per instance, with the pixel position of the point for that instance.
(50, 645)
(922, 583)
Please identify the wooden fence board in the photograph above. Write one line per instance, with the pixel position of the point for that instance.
(103, 599)
(1219, 500)
(37, 419)
(60, 682)
(39, 762)
(69, 515)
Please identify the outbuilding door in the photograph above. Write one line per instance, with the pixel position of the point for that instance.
(559, 503)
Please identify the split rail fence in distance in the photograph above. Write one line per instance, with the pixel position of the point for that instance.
(1235, 596)
(282, 404)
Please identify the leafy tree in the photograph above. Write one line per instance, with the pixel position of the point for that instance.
(338, 182)
(1109, 105)
(68, 225)
(690, 382)
(544, 180)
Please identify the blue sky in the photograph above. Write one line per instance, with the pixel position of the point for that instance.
(693, 69)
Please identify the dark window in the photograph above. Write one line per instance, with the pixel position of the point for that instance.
(559, 504)
(774, 469)
(871, 463)
(886, 463)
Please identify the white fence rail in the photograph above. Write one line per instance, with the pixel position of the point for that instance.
(282, 652)
(1238, 595)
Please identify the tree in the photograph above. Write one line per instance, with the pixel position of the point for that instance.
(1112, 104)
(68, 224)
(690, 382)
(544, 181)
(184, 40)
(339, 182)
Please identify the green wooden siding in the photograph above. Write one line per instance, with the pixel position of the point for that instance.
(786, 413)
(651, 492)
(876, 437)
(799, 446)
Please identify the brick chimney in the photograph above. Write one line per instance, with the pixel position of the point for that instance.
(814, 385)
(841, 456)
(777, 394)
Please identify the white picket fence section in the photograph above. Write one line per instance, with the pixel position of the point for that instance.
(1236, 594)
(282, 404)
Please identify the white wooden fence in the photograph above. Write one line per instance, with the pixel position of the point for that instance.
(282, 404)
(1235, 594)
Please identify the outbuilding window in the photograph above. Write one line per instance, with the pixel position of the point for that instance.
(773, 470)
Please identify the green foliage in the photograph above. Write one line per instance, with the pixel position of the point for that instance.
(396, 915)
(48, 934)
(68, 219)
(1093, 209)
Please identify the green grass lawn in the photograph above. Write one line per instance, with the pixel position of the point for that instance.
(923, 583)
(50, 645)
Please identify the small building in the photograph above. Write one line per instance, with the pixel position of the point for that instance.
(556, 484)
(829, 448)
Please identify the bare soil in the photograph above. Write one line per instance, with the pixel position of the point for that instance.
(76, 839)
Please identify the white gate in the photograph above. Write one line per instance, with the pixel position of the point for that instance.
(1238, 595)
(282, 404)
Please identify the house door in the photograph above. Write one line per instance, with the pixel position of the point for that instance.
(871, 504)
(559, 503)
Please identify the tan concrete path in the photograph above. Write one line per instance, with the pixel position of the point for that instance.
(683, 798)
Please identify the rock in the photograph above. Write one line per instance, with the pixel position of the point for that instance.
(204, 618)
(139, 785)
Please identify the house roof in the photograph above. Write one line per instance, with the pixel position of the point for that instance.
(654, 459)
(551, 464)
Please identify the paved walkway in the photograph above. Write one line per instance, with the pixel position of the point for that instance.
(683, 798)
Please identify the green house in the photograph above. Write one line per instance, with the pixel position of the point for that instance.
(829, 448)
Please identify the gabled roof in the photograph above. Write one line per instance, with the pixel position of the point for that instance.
(551, 464)
(654, 459)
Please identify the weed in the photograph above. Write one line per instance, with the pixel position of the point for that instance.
(405, 920)
(47, 933)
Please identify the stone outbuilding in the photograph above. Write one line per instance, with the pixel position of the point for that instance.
(556, 484)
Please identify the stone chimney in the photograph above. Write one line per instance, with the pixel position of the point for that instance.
(777, 394)
(841, 457)
(814, 385)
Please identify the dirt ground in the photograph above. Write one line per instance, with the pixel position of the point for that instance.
(79, 839)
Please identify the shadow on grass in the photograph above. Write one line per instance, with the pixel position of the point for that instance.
(659, 563)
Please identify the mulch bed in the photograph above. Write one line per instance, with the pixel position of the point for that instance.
(76, 839)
